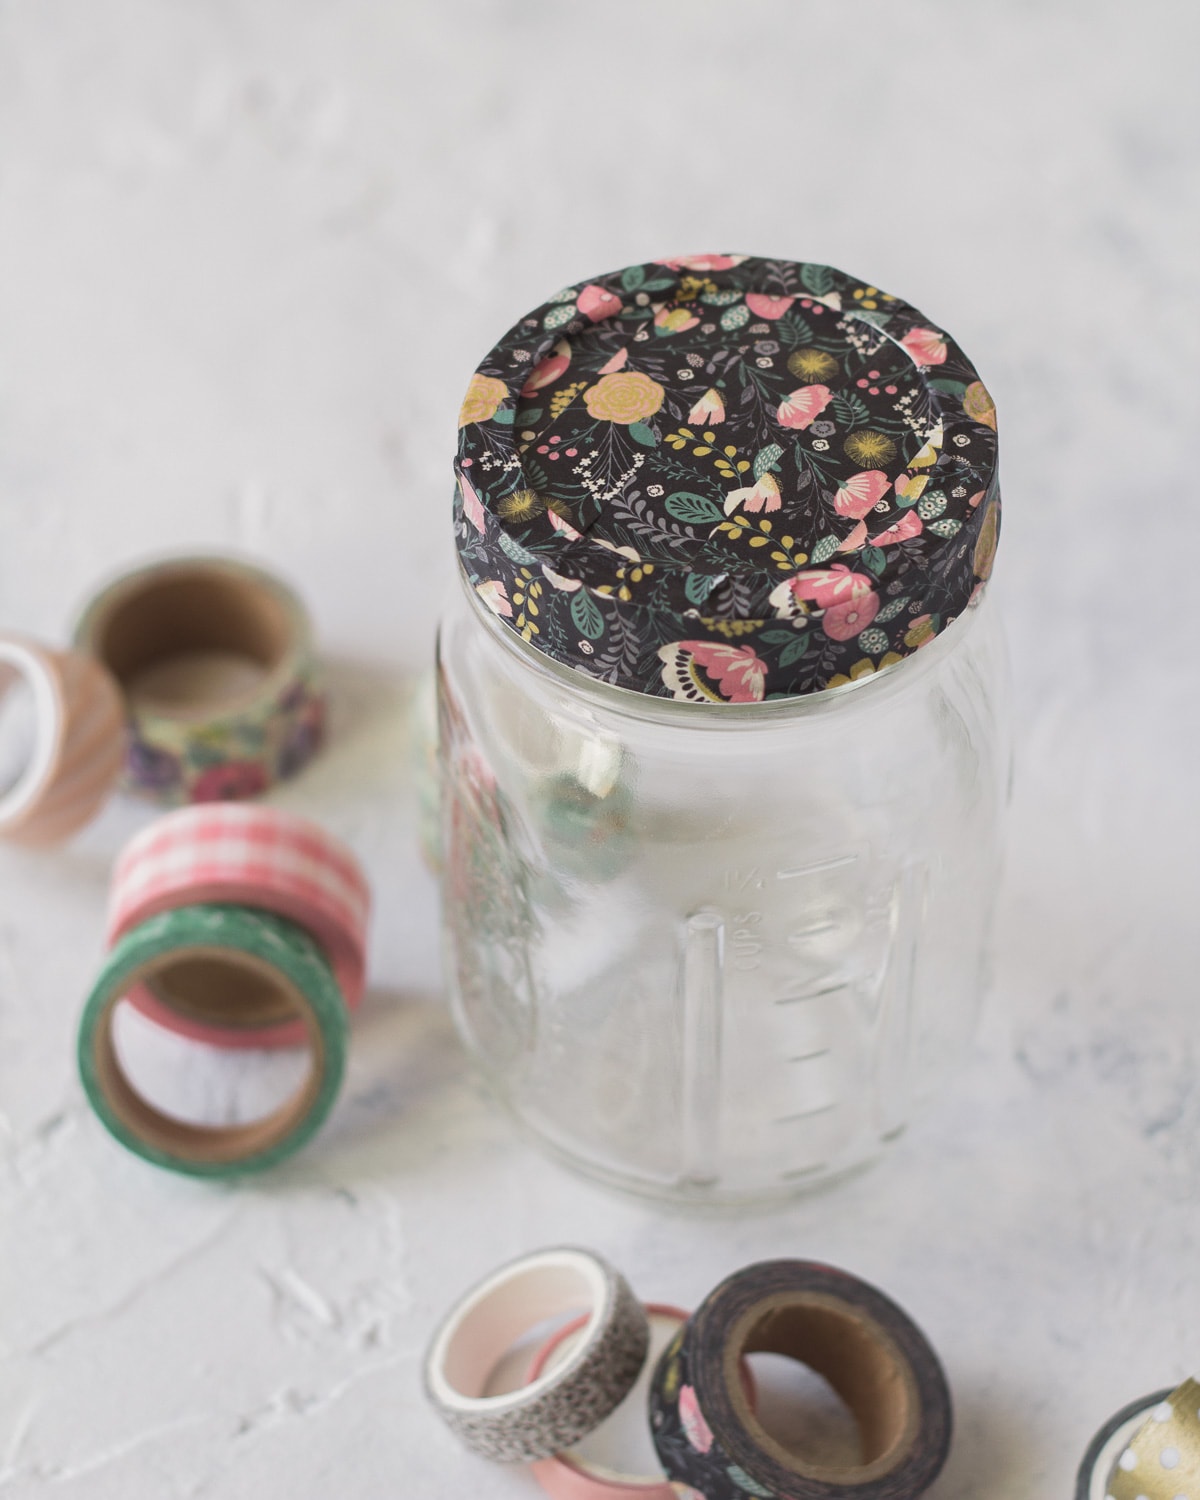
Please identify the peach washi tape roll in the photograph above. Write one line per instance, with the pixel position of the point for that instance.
(248, 855)
(63, 753)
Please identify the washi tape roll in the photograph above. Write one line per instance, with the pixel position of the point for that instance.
(870, 1352)
(1109, 1443)
(215, 660)
(563, 1404)
(572, 1475)
(255, 856)
(1159, 1459)
(223, 956)
(71, 743)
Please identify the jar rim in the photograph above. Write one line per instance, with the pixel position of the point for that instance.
(628, 703)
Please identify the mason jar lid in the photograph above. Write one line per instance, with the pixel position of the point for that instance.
(721, 478)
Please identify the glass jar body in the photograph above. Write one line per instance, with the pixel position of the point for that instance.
(718, 953)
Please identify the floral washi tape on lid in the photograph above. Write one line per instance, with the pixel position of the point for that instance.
(720, 478)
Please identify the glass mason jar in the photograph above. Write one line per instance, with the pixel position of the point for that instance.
(717, 926)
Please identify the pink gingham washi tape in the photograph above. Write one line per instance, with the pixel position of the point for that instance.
(245, 855)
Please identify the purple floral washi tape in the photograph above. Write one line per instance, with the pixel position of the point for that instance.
(215, 660)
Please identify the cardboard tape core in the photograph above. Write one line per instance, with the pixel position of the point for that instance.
(211, 976)
(193, 636)
(849, 1350)
(212, 990)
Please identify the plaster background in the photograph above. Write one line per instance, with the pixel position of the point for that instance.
(249, 252)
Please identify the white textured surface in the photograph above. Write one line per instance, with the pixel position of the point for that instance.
(249, 252)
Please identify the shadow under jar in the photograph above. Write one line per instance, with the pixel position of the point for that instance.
(722, 745)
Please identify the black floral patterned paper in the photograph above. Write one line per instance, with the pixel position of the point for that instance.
(723, 479)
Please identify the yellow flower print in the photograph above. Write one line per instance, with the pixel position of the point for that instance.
(521, 505)
(626, 577)
(675, 320)
(732, 629)
(920, 632)
(484, 395)
(868, 448)
(864, 668)
(626, 397)
(812, 365)
(870, 297)
(525, 596)
(692, 287)
(978, 403)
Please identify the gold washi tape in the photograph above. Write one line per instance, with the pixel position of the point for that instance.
(1162, 1458)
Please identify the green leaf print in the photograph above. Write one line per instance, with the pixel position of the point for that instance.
(748, 1485)
(516, 552)
(768, 458)
(693, 509)
(817, 279)
(632, 277)
(586, 613)
(640, 433)
(698, 586)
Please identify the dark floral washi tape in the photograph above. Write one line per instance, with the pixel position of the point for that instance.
(707, 1435)
(723, 478)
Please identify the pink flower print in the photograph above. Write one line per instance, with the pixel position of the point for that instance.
(804, 406)
(849, 600)
(709, 409)
(563, 527)
(829, 586)
(861, 493)
(909, 525)
(763, 306)
(674, 320)
(493, 594)
(856, 540)
(229, 783)
(842, 622)
(568, 585)
(696, 1429)
(762, 495)
(596, 303)
(691, 668)
(924, 346)
(617, 362)
(702, 262)
(548, 370)
(472, 505)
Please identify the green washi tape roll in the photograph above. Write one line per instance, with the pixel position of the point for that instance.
(237, 955)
